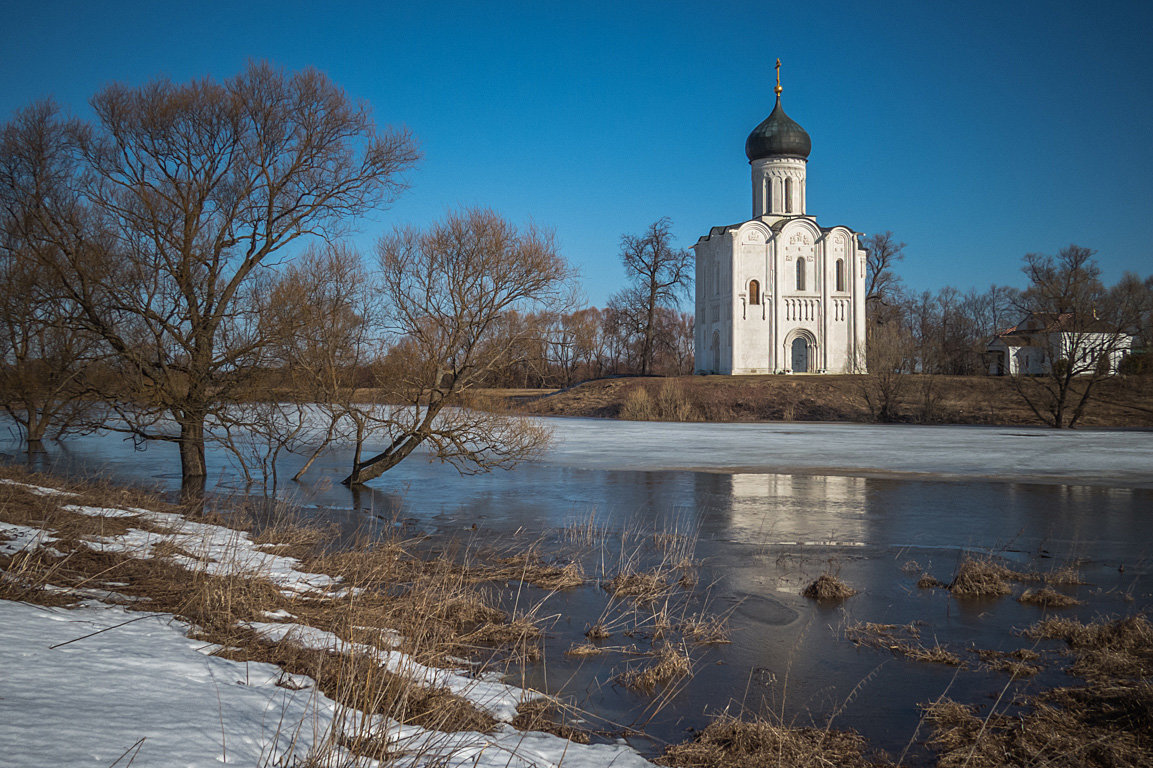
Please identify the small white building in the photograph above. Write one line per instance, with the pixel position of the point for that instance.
(779, 293)
(1030, 347)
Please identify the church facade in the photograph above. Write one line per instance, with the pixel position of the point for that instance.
(779, 293)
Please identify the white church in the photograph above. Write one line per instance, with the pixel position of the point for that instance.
(779, 293)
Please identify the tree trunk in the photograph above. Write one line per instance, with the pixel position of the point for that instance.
(193, 470)
(35, 427)
(400, 448)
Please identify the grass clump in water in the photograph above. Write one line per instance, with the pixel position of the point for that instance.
(669, 663)
(928, 582)
(902, 641)
(1018, 663)
(1046, 597)
(828, 588)
(982, 577)
(550, 716)
(643, 586)
(729, 742)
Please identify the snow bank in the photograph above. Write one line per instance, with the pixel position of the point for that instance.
(86, 686)
(140, 686)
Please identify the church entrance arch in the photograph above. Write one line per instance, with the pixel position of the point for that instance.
(801, 351)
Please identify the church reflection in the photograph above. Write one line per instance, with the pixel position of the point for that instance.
(773, 509)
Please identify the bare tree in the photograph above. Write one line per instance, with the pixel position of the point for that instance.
(659, 275)
(883, 251)
(450, 293)
(891, 362)
(197, 186)
(1081, 325)
(45, 360)
(323, 320)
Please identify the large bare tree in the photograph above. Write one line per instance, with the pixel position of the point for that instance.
(455, 295)
(659, 274)
(195, 187)
(45, 359)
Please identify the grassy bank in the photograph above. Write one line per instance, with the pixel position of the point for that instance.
(926, 400)
(379, 629)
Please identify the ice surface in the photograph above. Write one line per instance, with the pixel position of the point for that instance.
(1111, 457)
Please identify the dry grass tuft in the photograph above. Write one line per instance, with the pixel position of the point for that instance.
(586, 649)
(983, 577)
(928, 582)
(1103, 724)
(728, 742)
(1068, 575)
(1064, 728)
(669, 663)
(530, 568)
(902, 641)
(285, 535)
(1105, 649)
(705, 630)
(1047, 597)
(826, 588)
(1018, 663)
(642, 586)
(670, 404)
(550, 716)
(638, 406)
(598, 631)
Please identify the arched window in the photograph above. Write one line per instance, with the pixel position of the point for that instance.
(754, 292)
(800, 274)
(788, 195)
(840, 274)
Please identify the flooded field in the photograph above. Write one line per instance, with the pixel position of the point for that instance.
(767, 509)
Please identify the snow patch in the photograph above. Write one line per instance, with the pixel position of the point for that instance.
(496, 698)
(141, 687)
(39, 490)
(100, 511)
(18, 538)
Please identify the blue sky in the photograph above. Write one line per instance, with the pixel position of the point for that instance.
(976, 132)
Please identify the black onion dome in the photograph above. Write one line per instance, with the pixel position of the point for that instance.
(778, 135)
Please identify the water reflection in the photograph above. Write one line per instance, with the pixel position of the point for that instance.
(762, 536)
(764, 509)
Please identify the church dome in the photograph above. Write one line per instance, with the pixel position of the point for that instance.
(778, 135)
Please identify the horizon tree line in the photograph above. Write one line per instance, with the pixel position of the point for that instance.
(150, 285)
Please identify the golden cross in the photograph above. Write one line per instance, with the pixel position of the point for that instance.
(778, 88)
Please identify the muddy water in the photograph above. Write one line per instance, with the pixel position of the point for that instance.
(761, 537)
